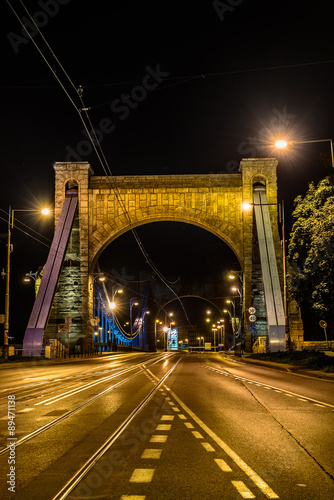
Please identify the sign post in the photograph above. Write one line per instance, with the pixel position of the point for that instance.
(323, 325)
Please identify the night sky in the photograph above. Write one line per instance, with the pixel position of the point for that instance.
(229, 76)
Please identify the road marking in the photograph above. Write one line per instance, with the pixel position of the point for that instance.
(182, 417)
(25, 410)
(281, 390)
(167, 417)
(223, 465)
(133, 497)
(208, 447)
(257, 480)
(187, 424)
(243, 490)
(175, 408)
(316, 404)
(158, 438)
(151, 453)
(197, 435)
(163, 427)
(142, 476)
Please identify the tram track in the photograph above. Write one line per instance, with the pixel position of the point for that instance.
(144, 364)
(82, 472)
(21, 392)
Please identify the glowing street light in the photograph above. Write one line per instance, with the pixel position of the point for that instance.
(283, 144)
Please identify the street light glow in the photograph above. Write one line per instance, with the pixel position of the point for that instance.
(281, 144)
(45, 211)
(246, 206)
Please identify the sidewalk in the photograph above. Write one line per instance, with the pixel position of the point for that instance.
(299, 370)
(44, 362)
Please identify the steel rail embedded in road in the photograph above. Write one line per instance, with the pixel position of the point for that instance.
(45, 427)
(80, 474)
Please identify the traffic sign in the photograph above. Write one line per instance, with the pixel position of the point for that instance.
(252, 318)
(251, 310)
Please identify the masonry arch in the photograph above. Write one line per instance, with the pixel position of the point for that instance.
(210, 224)
(110, 206)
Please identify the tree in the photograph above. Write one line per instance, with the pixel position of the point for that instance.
(311, 249)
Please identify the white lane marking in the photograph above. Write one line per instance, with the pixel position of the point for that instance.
(175, 408)
(222, 465)
(266, 386)
(208, 447)
(187, 424)
(25, 410)
(257, 480)
(182, 417)
(152, 453)
(142, 476)
(158, 438)
(163, 427)
(242, 489)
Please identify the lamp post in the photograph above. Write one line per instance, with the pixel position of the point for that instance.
(156, 323)
(165, 329)
(9, 251)
(214, 329)
(112, 306)
(132, 303)
(283, 144)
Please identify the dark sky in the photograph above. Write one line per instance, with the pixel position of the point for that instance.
(232, 74)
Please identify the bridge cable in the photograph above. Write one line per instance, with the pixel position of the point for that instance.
(105, 166)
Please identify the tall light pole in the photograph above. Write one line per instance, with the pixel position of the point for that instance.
(9, 251)
(214, 329)
(132, 303)
(112, 306)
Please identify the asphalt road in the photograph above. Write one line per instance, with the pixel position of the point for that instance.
(165, 426)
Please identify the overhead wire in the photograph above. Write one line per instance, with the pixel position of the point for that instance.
(27, 234)
(102, 159)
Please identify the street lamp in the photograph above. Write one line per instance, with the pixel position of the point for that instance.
(165, 329)
(112, 306)
(214, 329)
(283, 144)
(9, 251)
(132, 303)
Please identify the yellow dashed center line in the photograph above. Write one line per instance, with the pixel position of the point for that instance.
(208, 447)
(167, 417)
(158, 438)
(142, 476)
(197, 435)
(163, 427)
(222, 465)
(152, 453)
(243, 490)
(133, 497)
